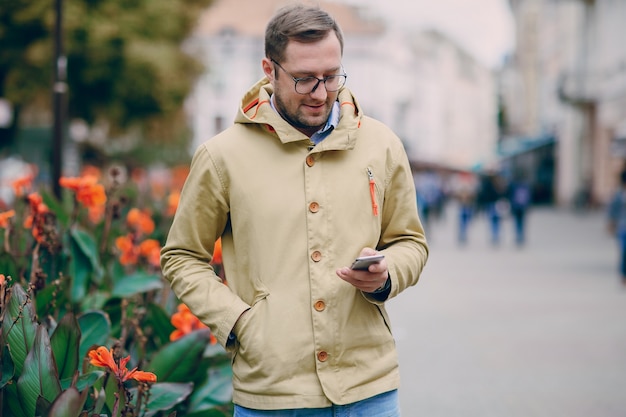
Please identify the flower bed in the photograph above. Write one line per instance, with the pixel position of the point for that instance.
(89, 326)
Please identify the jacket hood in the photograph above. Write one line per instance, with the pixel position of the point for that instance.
(255, 108)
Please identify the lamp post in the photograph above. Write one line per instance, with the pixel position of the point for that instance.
(59, 92)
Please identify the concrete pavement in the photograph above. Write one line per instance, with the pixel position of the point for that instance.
(505, 331)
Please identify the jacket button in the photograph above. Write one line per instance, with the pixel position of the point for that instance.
(310, 161)
(314, 207)
(319, 305)
(322, 356)
(316, 256)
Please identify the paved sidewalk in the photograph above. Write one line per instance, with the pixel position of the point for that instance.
(506, 331)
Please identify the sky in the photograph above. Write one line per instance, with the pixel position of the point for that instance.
(484, 28)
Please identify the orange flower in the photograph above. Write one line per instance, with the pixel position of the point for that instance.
(103, 358)
(140, 221)
(3, 279)
(4, 218)
(217, 252)
(130, 252)
(151, 250)
(185, 323)
(96, 213)
(35, 220)
(92, 195)
(73, 183)
(22, 185)
(36, 203)
(88, 191)
(90, 171)
(179, 176)
(172, 203)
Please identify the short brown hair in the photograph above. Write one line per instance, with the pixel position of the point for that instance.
(300, 23)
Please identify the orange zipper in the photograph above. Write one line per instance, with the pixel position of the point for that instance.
(373, 192)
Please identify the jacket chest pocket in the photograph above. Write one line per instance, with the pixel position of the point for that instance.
(374, 191)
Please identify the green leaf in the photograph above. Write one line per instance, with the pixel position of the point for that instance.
(56, 207)
(100, 401)
(40, 377)
(176, 361)
(89, 248)
(68, 404)
(164, 396)
(95, 328)
(95, 300)
(216, 390)
(136, 284)
(19, 326)
(51, 293)
(13, 401)
(116, 272)
(217, 353)
(157, 325)
(112, 392)
(65, 342)
(8, 369)
(84, 263)
(9, 265)
(84, 381)
(42, 406)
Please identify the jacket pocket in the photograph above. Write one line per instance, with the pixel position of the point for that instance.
(242, 327)
(372, 189)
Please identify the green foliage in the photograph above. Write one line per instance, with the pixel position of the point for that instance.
(65, 342)
(77, 290)
(25, 49)
(19, 327)
(125, 65)
(40, 377)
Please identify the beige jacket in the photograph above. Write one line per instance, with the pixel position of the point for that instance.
(289, 215)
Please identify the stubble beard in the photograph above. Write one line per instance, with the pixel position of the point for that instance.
(299, 120)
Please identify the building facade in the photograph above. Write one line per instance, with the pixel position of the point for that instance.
(567, 80)
(439, 100)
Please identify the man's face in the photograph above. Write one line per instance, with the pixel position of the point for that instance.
(306, 112)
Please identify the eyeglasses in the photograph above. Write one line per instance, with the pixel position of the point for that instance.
(308, 85)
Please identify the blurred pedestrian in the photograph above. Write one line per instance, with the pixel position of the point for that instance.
(464, 190)
(617, 222)
(299, 186)
(429, 189)
(494, 202)
(519, 195)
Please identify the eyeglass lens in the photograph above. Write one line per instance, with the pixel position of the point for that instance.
(309, 84)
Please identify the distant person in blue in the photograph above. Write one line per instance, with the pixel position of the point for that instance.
(429, 196)
(617, 222)
(520, 195)
(492, 199)
(464, 188)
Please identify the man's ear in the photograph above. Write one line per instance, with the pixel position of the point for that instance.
(268, 69)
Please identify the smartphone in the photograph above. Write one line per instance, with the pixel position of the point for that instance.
(363, 262)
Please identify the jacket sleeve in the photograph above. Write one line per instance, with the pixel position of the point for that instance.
(402, 234)
(199, 221)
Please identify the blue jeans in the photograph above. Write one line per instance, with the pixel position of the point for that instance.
(382, 405)
(465, 215)
(494, 218)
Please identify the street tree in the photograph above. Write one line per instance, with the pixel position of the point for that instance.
(126, 69)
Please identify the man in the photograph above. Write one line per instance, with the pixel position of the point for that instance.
(301, 185)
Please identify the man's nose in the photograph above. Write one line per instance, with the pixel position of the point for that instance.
(319, 91)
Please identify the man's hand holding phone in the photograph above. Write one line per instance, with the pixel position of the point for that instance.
(368, 272)
(362, 263)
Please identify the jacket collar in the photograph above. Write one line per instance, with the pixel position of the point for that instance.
(255, 108)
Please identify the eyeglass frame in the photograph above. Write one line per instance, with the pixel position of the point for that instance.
(296, 80)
